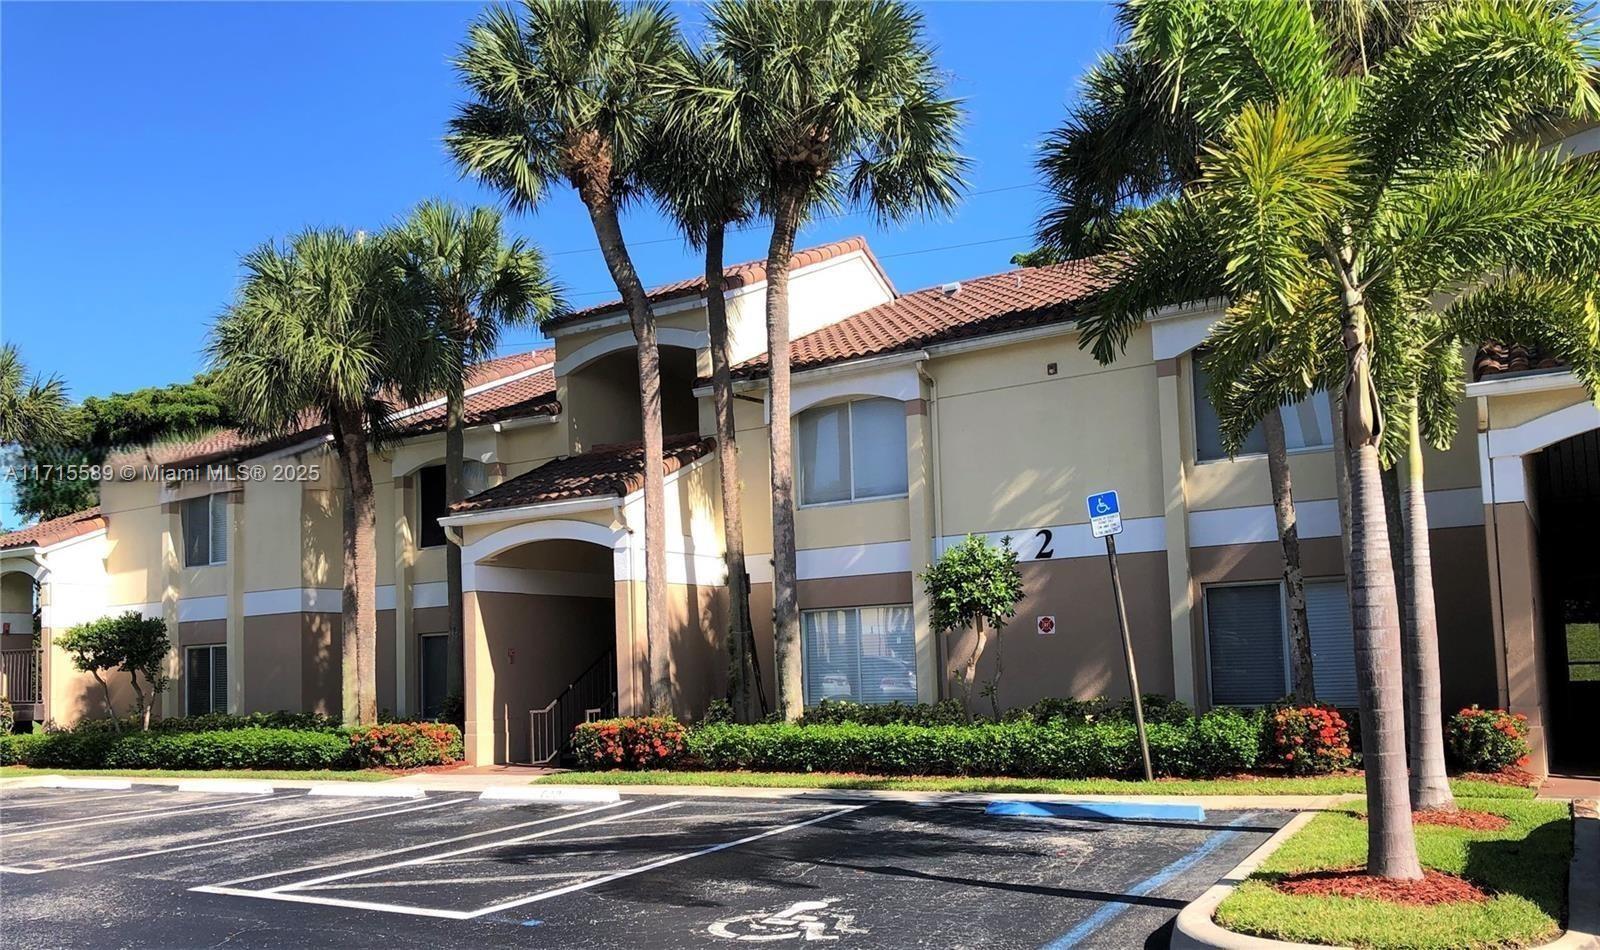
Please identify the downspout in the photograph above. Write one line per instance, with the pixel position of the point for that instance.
(1502, 664)
(938, 503)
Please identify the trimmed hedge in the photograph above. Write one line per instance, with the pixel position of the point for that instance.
(400, 745)
(1488, 740)
(1221, 742)
(642, 742)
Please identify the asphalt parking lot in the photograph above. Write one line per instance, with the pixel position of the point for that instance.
(155, 867)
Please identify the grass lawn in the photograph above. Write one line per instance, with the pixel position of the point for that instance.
(289, 775)
(1320, 785)
(1524, 865)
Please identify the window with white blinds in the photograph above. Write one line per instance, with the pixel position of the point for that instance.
(206, 679)
(1247, 638)
(852, 451)
(205, 530)
(864, 654)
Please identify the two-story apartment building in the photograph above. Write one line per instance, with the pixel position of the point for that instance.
(919, 418)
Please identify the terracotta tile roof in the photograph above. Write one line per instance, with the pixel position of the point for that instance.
(604, 470)
(1497, 359)
(1013, 300)
(533, 394)
(736, 275)
(55, 530)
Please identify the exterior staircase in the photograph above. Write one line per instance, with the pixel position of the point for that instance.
(592, 695)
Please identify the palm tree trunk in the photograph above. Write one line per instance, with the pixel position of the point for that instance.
(1391, 844)
(1302, 681)
(454, 491)
(744, 675)
(1430, 787)
(358, 627)
(608, 229)
(785, 594)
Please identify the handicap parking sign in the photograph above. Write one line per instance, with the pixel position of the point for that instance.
(1105, 514)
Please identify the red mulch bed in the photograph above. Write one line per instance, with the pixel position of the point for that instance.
(1470, 820)
(1509, 776)
(1435, 887)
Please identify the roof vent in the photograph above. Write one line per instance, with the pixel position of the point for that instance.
(952, 288)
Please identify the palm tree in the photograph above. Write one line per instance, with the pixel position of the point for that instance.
(1323, 202)
(571, 92)
(472, 284)
(840, 103)
(705, 182)
(1126, 143)
(316, 335)
(32, 408)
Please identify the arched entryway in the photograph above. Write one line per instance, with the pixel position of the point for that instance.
(1566, 484)
(541, 632)
(21, 667)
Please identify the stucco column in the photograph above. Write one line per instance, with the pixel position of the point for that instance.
(919, 504)
(479, 676)
(171, 590)
(404, 561)
(1180, 586)
(236, 583)
(1519, 633)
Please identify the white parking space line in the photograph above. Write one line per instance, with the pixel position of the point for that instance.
(116, 817)
(291, 892)
(41, 801)
(435, 882)
(418, 847)
(358, 815)
(653, 865)
(508, 842)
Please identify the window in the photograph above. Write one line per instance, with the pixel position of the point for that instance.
(852, 451)
(865, 654)
(1307, 424)
(1247, 639)
(431, 504)
(434, 657)
(206, 678)
(205, 530)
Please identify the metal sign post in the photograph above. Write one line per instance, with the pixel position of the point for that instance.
(1105, 520)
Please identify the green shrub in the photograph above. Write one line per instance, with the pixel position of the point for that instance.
(643, 742)
(1157, 708)
(1219, 743)
(1307, 740)
(836, 711)
(213, 722)
(405, 745)
(1052, 709)
(227, 749)
(1488, 740)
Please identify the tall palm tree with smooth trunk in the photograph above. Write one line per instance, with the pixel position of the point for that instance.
(320, 333)
(472, 283)
(842, 104)
(707, 180)
(33, 408)
(571, 92)
(1321, 200)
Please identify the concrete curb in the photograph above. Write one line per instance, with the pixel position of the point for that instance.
(231, 786)
(366, 790)
(592, 796)
(1195, 929)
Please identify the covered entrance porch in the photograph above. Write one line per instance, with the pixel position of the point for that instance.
(553, 582)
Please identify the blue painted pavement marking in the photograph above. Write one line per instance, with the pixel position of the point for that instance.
(1127, 810)
(1110, 912)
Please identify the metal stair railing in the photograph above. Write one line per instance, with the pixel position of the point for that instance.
(592, 695)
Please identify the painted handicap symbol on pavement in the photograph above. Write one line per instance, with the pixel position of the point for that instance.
(802, 920)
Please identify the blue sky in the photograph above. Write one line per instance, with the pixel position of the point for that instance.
(147, 146)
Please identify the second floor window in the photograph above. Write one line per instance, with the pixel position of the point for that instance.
(431, 504)
(1307, 424)
(205, 530)
(852, 451)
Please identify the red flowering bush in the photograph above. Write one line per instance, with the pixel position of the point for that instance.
(405, 745)
(642, 742)
(1307, 740)
(1488, 740)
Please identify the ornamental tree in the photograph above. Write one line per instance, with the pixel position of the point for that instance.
(130, 643)
(973, 584)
